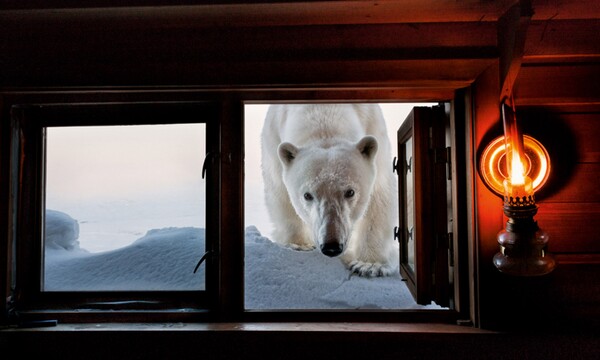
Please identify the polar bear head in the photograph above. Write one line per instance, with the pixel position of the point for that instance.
(330, 185)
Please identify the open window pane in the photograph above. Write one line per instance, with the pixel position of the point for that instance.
(284, 277)
(425, 232)
(124, 208)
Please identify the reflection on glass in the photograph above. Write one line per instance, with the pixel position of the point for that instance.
(125, 208)
(410, 205)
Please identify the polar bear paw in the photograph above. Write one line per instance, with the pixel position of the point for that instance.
(368, 269)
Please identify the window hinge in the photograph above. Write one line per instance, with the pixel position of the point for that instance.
(396, 166)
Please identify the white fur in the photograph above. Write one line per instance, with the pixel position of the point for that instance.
(326, 150)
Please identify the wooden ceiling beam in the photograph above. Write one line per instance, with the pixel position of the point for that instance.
(259, 13)
(429, 53)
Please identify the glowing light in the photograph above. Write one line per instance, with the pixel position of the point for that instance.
(493, 167)
(514, 146)
(517, 170)
(518, 188)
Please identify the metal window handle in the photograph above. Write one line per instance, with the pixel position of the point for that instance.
(201, 260)
(209, 156)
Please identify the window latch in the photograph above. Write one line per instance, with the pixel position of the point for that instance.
(202, 260)
(210, 156)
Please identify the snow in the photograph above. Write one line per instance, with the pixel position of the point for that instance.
(276, 277)
(62, 231)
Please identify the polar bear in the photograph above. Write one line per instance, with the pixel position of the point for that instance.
(327, 172)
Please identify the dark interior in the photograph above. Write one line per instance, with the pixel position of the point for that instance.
(543, 54)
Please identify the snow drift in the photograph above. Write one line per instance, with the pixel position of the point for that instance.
(276, 277)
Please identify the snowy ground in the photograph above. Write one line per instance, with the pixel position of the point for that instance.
(164, 259)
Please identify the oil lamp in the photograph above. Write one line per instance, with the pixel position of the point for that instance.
(522, 243)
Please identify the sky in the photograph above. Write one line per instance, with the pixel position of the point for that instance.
(115, 161)
(121, 181)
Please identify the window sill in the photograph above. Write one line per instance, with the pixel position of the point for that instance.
(354, 327)
(291, 340)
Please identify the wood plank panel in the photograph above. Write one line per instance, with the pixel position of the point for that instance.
(580, 186)
(434, 38)
(39, 53)
(568, 136)
(558, 84)
(586, 129)
(545, 10)
(559, 38)
(270, 13)
(572, 227)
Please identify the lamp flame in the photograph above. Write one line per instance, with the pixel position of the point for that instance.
(514, 147)
(517, 170)
(518, 187)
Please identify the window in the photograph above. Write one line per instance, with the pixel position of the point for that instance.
(115, 206)
(280, 278)
(126, 205)
(217, 146)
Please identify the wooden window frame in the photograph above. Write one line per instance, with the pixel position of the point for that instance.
(226, 302)
(428, 278)
(29, 123)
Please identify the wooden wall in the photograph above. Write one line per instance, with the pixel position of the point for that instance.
(557, 94)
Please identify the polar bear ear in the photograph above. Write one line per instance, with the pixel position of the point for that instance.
(367, 146)
(287, 152)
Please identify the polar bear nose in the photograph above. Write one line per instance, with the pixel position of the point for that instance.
(332, 248)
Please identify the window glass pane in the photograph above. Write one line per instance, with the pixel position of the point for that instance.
(125, 208)
(284, 276)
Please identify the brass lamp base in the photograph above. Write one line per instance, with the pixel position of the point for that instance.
(523, 245)
(528, 266)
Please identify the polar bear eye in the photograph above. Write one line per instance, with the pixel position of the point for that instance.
(308, 197)
(349, 193)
